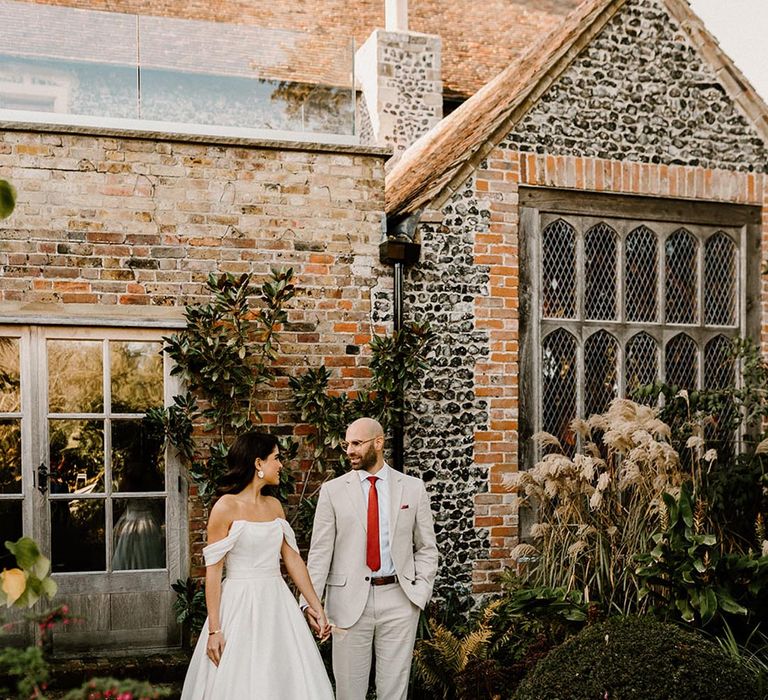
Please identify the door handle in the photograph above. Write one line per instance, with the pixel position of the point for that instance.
(42, 478)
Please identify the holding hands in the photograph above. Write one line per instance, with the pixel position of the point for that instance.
(318, 622)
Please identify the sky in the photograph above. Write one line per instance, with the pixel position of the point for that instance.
(741, 27)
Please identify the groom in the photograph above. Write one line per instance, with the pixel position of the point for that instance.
(373, 554)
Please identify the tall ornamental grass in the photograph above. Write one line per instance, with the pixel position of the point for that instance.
(599, 509)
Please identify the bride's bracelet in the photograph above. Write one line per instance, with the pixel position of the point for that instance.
(214, 632)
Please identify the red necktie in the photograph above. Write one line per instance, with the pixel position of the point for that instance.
(373, 555)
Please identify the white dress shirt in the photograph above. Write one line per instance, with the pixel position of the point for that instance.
(382, 490)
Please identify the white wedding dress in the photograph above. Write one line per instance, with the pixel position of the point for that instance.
(269, 653)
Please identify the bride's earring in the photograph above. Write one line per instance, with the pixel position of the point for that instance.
(260, 474)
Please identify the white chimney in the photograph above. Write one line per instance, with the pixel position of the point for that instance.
(396, 15)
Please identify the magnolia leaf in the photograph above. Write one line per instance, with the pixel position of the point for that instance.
(14, 581)
(7, 199)
(762, 448)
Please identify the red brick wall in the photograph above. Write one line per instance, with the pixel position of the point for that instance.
(111, 222)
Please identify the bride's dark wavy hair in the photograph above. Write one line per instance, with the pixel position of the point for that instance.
(241, 460)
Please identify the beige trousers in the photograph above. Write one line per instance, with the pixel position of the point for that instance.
(387, 628)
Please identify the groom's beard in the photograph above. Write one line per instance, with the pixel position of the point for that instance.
(367, 459)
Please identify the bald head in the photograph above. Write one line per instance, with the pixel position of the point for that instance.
(367, 427)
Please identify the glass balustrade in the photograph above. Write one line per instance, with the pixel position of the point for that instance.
(71, 66)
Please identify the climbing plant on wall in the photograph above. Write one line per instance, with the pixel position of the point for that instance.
(225, 355)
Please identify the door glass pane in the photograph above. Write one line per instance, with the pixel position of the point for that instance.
(77, 535)
(10, 394)
(137, 376)
(137, 457)
(10, 456)
(139, 534)
(75, 376)
(77, 456)
(11, 529)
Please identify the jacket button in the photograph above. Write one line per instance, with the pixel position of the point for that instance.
(413, 583)
(367, 578)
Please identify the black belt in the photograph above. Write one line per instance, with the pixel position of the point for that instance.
(384, 580)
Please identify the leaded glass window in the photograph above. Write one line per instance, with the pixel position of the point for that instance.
(559, 271)
(720, 280)
(625, 302)
(600, 273)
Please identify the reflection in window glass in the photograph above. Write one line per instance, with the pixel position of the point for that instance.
(10, 456)
(137, 376)
(75, 376)
(76, 456)
(139, 534)
(11, 527)
(137, 457)
(77, 535)
(10, 383)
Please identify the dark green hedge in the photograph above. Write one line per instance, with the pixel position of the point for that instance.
(638, 659)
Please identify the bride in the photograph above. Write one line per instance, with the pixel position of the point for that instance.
(255, 643)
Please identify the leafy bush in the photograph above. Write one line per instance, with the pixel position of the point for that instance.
(637, 658)
(685, 574)
(26, 669)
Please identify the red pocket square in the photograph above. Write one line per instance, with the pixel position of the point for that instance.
(404, 507)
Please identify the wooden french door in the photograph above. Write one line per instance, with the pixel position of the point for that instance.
(83, 474)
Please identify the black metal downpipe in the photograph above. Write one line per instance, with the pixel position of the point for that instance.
(399, 249)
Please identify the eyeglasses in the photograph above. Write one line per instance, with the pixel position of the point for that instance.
(355, 443)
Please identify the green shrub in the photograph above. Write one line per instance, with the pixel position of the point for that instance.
(638, 658)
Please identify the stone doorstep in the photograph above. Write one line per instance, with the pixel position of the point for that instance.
(165, 668)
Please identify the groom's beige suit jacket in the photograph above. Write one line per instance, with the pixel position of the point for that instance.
(336, 560)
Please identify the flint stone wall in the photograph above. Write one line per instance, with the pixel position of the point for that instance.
(641, 92)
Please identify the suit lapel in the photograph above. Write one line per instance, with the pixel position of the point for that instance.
(395, 496)
(355, 493)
